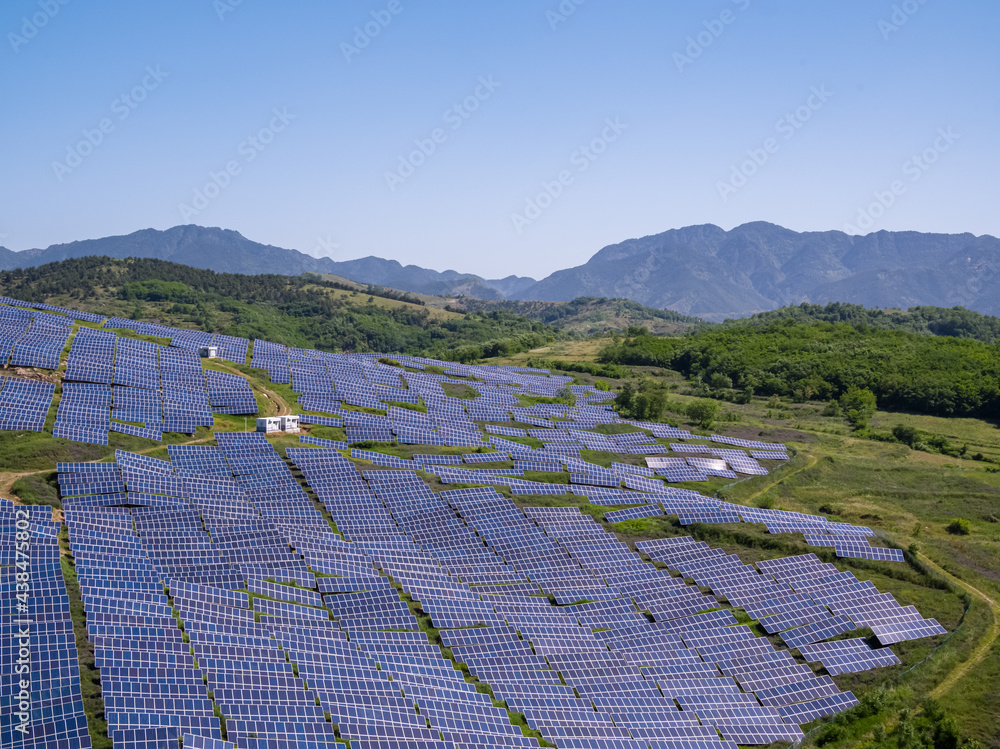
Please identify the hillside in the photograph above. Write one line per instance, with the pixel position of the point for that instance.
(589, 315)
(544, 544)
(822, 361)
(715, 274)
(910, 494)
(303, 311)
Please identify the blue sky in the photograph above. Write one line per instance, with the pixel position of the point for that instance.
(495, 137)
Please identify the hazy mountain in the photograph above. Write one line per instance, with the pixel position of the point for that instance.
(714, 274)
(228, 251)
(699, 270)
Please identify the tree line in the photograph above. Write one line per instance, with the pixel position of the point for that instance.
(939, 375)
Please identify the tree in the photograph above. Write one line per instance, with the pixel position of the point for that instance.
(602, 386)
(858, 405)
(623, 401)
(565, 395)
(648, 405)
(703, 412)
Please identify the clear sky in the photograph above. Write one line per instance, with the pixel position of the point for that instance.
(495, 137)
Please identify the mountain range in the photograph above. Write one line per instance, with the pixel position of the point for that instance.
(703, 270)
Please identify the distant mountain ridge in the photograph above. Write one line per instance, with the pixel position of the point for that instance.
(711, 273)
(703, 271)
(227, 251)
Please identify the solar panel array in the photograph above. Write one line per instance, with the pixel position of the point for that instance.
(40, 678)
(230, 394)
(30, 338)
(209, 526)
(273, 598)
(24, 404)
(72, 314)
(143, 389)
(229, 347)
(847, 598)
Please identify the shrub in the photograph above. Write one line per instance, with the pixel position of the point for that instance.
(703, 412)
(719, 381)
(632, 527)
(602, 386)
(959, 527)
(906, 435)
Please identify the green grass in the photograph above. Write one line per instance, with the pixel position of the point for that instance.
(456, 390)
(37, 489)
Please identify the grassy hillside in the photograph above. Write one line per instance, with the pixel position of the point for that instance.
(591, 315)
(910, 497)
(910, 493)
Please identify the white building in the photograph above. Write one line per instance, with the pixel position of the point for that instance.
(268, 424)
(208, 352)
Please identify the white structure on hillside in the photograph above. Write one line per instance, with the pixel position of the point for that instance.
(208, 352)
(269, 424)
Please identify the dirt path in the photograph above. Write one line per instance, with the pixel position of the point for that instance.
(7, 480)
(979, 654)
(812, 461)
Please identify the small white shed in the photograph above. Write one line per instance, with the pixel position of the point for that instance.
(268, 424)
